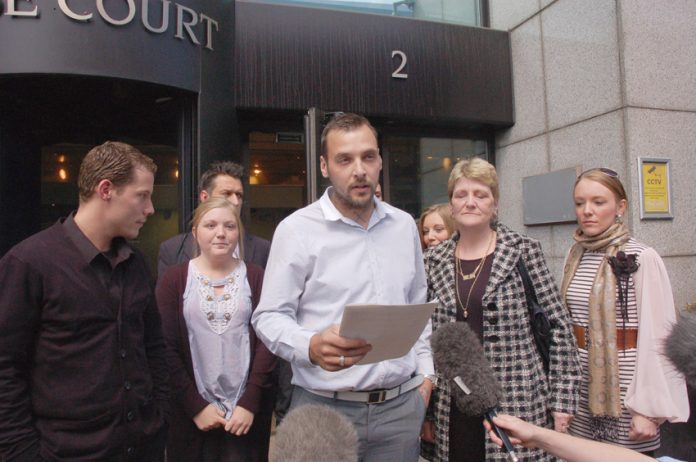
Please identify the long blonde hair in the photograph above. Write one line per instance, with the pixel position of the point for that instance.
(217, 203)
(445, 213)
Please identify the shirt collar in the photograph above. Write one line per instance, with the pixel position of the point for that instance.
(331, 213)
(119, 251)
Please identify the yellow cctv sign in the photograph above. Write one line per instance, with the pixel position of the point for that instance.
(655, 188)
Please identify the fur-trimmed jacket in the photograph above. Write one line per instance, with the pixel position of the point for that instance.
(508, 340)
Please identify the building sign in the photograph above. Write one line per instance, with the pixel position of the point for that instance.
(189, 25)
(655, 188)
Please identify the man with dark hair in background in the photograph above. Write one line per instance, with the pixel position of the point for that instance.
(222, 179)
(82, 367)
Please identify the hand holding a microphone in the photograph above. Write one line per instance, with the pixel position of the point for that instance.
(520, 432)
(566, 447)
(330, 351)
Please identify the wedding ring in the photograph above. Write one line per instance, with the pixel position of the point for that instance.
(341, 360)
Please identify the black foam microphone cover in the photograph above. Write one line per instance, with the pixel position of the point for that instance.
(457, 352)
(459, 358)
(680, 346)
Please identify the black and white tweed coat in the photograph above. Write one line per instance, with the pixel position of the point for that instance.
(508, 339)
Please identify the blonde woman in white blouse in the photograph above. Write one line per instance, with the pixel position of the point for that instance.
(220, 372)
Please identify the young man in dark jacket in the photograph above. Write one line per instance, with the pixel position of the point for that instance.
(82, 367)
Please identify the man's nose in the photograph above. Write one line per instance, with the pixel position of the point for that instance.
(150, 210)
(359, 170)
(233, 199)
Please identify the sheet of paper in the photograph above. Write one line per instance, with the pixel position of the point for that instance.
(391, 329)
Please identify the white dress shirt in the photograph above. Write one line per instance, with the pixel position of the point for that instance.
(319, 262)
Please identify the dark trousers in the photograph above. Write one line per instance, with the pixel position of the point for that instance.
(221, 446)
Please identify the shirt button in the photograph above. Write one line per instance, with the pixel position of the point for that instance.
(123, 354)
(127, 385)
(130, 416)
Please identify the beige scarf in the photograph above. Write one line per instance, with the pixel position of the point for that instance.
(604, 391)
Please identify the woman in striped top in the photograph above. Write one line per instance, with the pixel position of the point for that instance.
(619, 294)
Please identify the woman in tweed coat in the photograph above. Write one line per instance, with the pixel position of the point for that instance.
(494, 305)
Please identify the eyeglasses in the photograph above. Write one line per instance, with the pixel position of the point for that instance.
(331, 115)
(606, 171)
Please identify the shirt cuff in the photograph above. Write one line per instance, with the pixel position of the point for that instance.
(301, 345)
(424, 366)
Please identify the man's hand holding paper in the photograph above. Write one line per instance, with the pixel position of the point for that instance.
(391, 330)
(330, 351)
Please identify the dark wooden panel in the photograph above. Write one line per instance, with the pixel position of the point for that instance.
(292, 58)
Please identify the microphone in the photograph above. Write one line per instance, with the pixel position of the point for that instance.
(315, 432)
(458, 356)
(680, 346)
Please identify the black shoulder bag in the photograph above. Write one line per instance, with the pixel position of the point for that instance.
(541, 326)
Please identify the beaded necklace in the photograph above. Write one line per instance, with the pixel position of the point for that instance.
(475, 275)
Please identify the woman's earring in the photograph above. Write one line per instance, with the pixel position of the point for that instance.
(619, 219)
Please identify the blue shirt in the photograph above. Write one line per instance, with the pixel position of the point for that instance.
(321, 261)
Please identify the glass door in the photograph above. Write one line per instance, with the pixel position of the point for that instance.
(276, 167)
(314, 122)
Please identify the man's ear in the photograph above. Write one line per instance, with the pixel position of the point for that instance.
(105, 189)
(203, 196)
(323, 166)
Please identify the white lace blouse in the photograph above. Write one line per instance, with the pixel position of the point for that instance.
(218, 331)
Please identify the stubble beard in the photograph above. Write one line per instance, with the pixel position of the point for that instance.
(356, 205)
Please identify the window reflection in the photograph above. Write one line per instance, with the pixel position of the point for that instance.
(276, 178)
(48, 125)
(464, 12)
(419, 168)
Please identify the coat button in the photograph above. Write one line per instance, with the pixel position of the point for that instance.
(123, 354)
(127, 385)
(130, 416)
(130, 451)
(493, 320)
(492, 306)
(493, 338)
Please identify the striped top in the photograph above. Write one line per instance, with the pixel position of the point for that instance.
(577, 299)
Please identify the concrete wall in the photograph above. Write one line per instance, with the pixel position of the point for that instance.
(601, 83)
